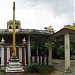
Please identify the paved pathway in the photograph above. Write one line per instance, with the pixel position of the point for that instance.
(60, 66)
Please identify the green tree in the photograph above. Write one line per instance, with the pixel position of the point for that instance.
(42, 48)
(60, 51)
(55, 47)
(33, 48)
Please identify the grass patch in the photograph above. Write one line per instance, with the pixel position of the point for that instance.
(2, 73)
(36, 68)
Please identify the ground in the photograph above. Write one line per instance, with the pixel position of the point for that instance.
(56, 72)
(59, 65)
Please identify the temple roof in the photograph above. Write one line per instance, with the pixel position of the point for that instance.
(59, 35)
(35, 35)
(26, 31)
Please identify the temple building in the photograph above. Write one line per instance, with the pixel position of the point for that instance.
(24, 37)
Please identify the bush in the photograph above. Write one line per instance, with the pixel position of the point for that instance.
(33, 68)
(36, 68)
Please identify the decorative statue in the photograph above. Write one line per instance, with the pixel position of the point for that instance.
(2, 41)
(24, 40)
(50, 29)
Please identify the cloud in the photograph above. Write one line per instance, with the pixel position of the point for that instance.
(40, 13)
(63, 6)
(40, 18)
(74, 11)
(36, 14)
(59, 7)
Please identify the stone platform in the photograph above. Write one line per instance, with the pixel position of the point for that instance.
(14, 67)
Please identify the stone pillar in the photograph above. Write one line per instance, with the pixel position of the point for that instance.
(25, 54)
(2, 56)
(67, 50)
(37, 54)
(29, 50)
(37, 50)
(50, 53)
(0, 53)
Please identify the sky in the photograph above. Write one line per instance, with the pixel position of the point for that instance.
(37, 14)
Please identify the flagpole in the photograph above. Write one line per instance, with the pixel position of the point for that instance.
(14, 43)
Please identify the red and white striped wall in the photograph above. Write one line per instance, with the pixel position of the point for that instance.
(21, 53)
(40, 60)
